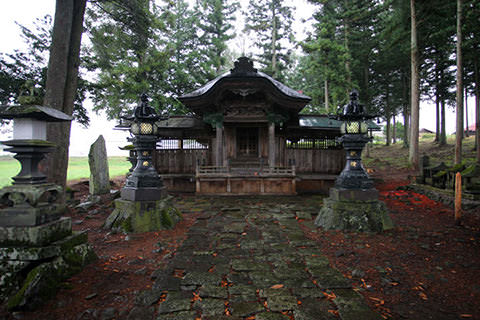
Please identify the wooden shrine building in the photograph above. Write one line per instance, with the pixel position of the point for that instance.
(246, 136)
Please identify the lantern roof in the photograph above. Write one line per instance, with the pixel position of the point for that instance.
(34, 112)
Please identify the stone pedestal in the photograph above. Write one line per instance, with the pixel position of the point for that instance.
(30, 205)
(354, 210)
(37, 247)
(34, 260)
(143, 216)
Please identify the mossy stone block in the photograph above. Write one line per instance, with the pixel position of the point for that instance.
(143, 216)
(36, 236)
(354, 215)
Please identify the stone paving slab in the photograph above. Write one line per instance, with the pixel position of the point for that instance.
(249, 257)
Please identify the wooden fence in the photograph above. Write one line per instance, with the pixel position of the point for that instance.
(330, 161)
(180, 161)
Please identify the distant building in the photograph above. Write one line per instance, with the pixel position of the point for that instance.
(423, 130)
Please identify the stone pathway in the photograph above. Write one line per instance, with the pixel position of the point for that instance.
(248, 257)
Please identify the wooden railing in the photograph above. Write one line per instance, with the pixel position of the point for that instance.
(211, 171)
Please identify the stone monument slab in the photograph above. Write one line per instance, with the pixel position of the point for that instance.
(98, 162)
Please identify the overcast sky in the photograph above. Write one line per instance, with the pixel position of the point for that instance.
(26, 11)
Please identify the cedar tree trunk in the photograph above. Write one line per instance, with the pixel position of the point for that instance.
(459, 124)
(413, 155)
(62, 78)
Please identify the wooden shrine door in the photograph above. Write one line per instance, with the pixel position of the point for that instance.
(247, 142)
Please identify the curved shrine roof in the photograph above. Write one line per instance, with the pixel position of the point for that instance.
(244, 78)
(227, 75)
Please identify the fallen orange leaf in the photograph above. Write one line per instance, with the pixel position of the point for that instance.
(277, 286)
(334, 312)
(196, 297)
(329, 296)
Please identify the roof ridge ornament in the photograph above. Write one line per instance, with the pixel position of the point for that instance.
(242, 66)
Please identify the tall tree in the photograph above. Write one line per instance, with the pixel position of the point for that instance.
(437, 34)
(470, 51)
(326, 61)
(62, 78)
(215, 23)
(181, 42)
(28, 68)
(121, 53)
(459, 122)
(271, 23)
(413, 155)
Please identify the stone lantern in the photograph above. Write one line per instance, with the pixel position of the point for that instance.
(144, 184)
(30, 188)
(38, 249)
(144, 205)
(353, 203)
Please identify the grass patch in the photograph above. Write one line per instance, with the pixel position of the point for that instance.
(9, 167)
(396, 156)
(77, 168)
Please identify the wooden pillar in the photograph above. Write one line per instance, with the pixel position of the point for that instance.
(219, 144)
(271, 144)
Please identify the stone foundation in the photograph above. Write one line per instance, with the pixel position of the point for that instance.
(43, 256)
(143, 216)
(354, 210)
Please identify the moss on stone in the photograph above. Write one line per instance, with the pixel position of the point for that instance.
(16, 300)
(143, 216)
(41, 284)
(366, 216)
(78, 257)
(126, 224)
(167, 220)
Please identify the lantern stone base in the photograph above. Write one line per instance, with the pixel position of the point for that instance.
(143, 194)
(30, 205)
(33, 216)
(354, 210)
(36, 236)
(143, 216)
(42, 258)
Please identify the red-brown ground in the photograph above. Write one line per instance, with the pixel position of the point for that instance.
(425, 268)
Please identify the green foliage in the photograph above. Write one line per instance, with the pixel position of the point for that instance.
(215, 18)
(23, 74)
(341, 51)
(399, 132)
(163, 48)
(121, 54)
(271, 23)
